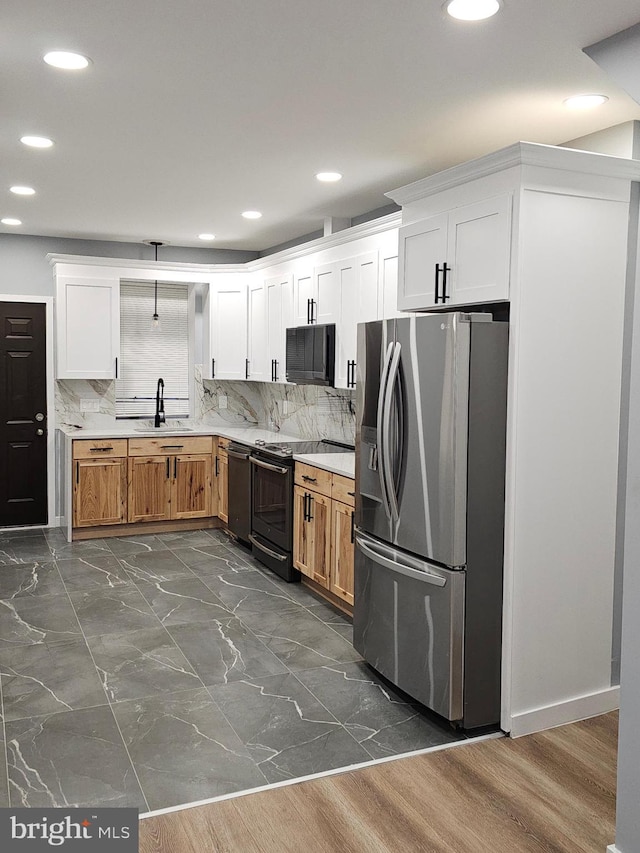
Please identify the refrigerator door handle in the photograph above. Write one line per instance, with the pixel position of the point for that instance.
(380, 428)
(387, 454)
(399, 566)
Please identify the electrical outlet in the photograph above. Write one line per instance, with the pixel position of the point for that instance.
(89, 404)
(285, 407)
(222, 401)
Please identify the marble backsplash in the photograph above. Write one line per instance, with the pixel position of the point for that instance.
(70, 392)
(311, 411)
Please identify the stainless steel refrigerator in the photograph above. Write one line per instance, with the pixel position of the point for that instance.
(430, 468)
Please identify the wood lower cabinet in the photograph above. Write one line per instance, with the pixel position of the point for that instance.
(191, 487)
(342, 551)
(312, 534)
(323, 548)
(169, 487)
(99, 492)
(149, 488)
(222, 475)
(119, 481)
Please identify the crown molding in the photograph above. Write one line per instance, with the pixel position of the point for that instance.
(348, 235)
(519, 154)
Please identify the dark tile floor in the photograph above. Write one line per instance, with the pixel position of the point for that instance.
(153, 671)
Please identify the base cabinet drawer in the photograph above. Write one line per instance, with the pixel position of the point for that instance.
(99, 448)
(99, 492)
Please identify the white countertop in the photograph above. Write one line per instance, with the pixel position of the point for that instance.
(249, 434)
(337, 463)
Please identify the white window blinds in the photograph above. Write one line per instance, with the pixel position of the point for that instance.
(147, 354)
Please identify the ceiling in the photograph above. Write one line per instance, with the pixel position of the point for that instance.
(194, 111)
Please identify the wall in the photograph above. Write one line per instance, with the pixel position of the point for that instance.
(24, 268)
(617, 141)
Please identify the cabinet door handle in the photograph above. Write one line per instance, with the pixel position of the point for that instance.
(445, 270)
(116, 367)
(213, 368)
(77, 472)
(351, 494)
(353, 516)
(246, 368)
(313, 313)
(168, 472)
(308, 311)
(175, 467)
(351, 374)
(437, 289)
(217, 469)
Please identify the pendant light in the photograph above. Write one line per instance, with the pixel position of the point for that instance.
(155, 320)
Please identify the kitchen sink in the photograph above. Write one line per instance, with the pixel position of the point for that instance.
(163, 430)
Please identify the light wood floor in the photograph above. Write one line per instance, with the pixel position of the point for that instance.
(551, 792)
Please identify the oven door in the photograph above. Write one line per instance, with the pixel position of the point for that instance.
(272, 513)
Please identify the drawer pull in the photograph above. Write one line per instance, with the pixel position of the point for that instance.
(351, 494)
(309, 479)
(171, 446)
(100, 449)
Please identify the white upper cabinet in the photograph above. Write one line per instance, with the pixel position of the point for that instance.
(357, 295)
(87, 327)
(304, 294)
(458, 257)
(226, 309)
(278, 296)
(256, 367)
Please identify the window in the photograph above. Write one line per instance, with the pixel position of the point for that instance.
(147, 354)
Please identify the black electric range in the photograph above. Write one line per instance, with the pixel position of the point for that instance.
(286, 449)
(272, 482)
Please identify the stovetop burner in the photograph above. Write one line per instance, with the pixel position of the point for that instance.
(288, 448)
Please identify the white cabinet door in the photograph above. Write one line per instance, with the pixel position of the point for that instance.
(422, 249)
(278, 293)
(479, 251)
(257, 340)
(303, 294)
(460, 257)
(325, 307)
(227, 308)
(358, 300)
(87, 327)
(389, 288)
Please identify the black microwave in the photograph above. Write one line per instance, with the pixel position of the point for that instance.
(311, 355)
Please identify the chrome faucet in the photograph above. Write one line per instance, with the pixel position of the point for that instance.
(159, 418)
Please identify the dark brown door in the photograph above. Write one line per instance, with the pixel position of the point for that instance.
(23, 414)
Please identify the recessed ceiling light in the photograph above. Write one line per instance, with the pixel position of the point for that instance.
(23, 190)
(37, 141)
(329, 177)
(65, 59)
(252, 214)
(585, 102)
(206, 236)
(472, 10)
(9, 220)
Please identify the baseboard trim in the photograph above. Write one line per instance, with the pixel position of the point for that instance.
(551, 716)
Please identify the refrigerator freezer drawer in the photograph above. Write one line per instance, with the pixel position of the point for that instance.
(409, 622)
